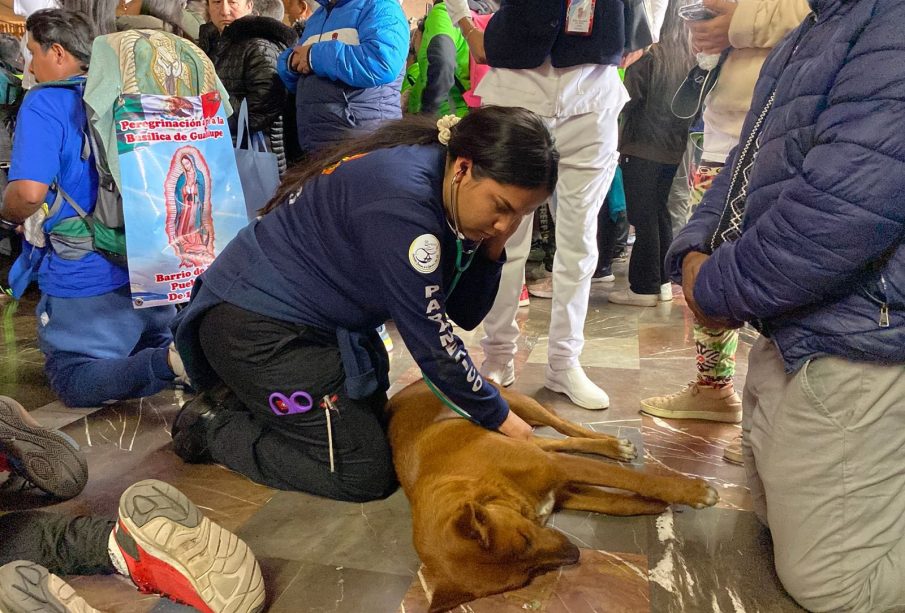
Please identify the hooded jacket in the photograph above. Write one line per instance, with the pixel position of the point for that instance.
(357, 57)
(820, 262)
(245, 57)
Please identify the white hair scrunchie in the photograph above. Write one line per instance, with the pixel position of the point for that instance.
(445, 125)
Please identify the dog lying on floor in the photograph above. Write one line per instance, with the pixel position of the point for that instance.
(480, 499)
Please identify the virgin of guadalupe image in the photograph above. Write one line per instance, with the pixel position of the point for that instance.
(190, 227)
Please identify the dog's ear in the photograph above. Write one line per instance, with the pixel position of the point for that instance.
(472, 522)
(448, 597)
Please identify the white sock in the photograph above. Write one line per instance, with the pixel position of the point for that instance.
(116, 556)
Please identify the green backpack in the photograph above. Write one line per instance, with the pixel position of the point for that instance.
(103, 230)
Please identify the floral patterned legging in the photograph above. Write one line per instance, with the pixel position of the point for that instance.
(715, 347)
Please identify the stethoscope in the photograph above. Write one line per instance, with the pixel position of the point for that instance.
(461, 251)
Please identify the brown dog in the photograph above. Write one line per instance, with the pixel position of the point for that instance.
(480, 499)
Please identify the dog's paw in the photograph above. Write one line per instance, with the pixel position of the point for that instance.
(626, 450)
(706, 496)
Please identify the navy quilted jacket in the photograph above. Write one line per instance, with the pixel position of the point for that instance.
(820, 264)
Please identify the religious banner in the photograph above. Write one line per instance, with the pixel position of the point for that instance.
(182, 198)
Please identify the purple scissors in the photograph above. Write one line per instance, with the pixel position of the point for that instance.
(298, 402)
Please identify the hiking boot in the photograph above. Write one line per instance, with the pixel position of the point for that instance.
(574, 383)
(190, 429)
(627, 296)
(542, 288)
(696, 401)
(170, 548)
(733, 451)
(47, 459)
(26, 587)
(501, 374)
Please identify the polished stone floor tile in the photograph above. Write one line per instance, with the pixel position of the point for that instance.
(375, 536)
(601, 582)
(713, 560)
(298, 586)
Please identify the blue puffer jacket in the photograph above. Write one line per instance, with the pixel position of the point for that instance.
(358, 58)
(820, 264)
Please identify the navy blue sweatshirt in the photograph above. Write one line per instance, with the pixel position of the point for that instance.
(365, 243)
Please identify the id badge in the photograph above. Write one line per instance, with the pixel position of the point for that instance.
(580, 17)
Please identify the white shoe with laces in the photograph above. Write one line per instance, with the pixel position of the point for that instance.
(501, 374)
(574, 383)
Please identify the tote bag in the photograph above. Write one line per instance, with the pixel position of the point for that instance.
(258, 167)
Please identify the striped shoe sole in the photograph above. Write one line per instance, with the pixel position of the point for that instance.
(26, 587)
(171, 548)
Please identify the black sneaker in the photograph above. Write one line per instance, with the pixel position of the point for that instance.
(191, 426)
(26, 587)
(47, 459)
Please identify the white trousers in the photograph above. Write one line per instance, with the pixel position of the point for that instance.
(588, 158)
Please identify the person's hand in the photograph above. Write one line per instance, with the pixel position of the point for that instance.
(691, 266)
(493, 247)
(475, 39)
(298, 61)
(712, 35)
(516, 427)
(630, 58)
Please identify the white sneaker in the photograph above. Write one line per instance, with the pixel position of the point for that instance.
(501, 374)
(666, 292)
(610, 278)
(574, 383)
(627, 296)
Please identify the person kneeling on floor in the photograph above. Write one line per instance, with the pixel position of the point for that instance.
(97, 346)
(408, 223)
(810, 217)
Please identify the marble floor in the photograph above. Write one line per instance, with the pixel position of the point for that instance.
(319, 555)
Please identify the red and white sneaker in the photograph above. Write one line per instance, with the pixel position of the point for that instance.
(165, 544)
(524, 299)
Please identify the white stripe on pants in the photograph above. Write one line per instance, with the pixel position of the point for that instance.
(823, 451)
(587, 147)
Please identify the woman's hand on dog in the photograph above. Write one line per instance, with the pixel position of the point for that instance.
(516, 427)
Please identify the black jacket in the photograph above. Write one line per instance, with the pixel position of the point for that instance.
(245, 57)
(523, 33)
(650, 130)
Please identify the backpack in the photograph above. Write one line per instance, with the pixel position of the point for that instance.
(10, 85)
(147, 62)
(103, 230)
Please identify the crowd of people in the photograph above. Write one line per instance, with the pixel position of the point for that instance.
(413, 158)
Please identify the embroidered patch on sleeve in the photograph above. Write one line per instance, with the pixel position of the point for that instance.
(424, 253)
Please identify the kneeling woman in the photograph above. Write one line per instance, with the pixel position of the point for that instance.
(407, 224)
